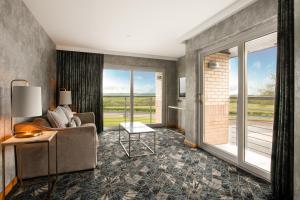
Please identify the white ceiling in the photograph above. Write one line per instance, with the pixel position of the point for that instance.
(147, 27)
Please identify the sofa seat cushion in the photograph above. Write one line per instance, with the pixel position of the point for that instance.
(57, 118)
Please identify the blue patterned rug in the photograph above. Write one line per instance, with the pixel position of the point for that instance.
(175, 172)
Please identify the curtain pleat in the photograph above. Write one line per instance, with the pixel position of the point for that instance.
(82, 74)
(283, 135)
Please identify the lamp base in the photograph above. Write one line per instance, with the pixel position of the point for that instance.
(28, 134)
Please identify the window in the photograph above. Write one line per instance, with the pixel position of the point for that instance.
(145, 92)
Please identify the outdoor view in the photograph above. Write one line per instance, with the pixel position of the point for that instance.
(147, 91)
(221, 83)
(261, 74)
(221, 92)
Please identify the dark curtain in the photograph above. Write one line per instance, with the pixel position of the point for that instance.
(82, 74)
(283, 135)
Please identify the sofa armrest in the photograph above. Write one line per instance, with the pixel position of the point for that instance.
(30, 126)
(87, 117)
(80, 148)
(76, 151)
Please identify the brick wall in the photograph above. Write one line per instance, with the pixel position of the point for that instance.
(216, 99)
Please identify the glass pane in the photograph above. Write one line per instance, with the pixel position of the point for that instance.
(147, 96)
(116, 97)
(220, 92)
(261, 74)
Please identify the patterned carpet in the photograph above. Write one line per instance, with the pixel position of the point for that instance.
(175, 172)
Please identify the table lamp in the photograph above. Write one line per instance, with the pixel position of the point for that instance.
(65, 97)
(26, 101)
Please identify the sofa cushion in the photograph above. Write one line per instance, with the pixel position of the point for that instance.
(77, 120)
(57, 118)
(68, 112)
(72, 123)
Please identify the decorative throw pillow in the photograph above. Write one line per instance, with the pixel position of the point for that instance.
(72, 123)
(68, 112)
(77, 120)
(57, 118)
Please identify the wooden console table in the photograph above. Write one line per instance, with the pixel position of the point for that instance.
(175, 108)
(46, 137)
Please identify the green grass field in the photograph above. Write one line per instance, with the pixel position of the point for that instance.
(259, 109)
(116, 120)
(114, 109)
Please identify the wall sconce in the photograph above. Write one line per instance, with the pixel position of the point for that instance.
(213, 65)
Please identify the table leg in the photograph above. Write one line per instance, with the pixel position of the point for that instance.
(167, 118)
(154, 135)
(48, 169)
(119, 133)
(3, 170)
(56, 156)
(19, 165)
(129, 145)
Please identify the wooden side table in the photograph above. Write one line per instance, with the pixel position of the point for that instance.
(46, 137)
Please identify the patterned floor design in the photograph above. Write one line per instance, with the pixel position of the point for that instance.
(175, 172)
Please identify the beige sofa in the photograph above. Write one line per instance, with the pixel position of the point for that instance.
(76, 148)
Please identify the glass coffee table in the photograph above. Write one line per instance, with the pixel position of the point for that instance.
(136, 128)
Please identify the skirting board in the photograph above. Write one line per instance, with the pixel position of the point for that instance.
(179, 128)
(189, 143)
(9, 187)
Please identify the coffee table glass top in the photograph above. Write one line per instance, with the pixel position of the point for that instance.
(136, 127)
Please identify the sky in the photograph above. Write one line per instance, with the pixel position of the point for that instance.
(260, 66)
(118, 81)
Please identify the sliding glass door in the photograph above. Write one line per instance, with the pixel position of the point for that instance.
(261, 76)
(116, 97)
(237, 103)
(132, 94)
(220, 73)
(147, 92)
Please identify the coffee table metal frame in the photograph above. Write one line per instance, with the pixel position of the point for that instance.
(128, 153)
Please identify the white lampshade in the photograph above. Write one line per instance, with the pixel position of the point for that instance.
(26, 101)
(65, 98)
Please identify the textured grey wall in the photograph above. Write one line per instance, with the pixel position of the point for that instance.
(297, 100)
(181, 67)
(257, 16)
(180, 64)
(26, 53)
(168, 66)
